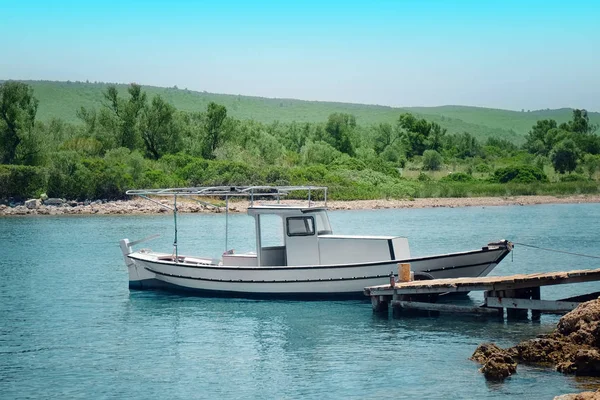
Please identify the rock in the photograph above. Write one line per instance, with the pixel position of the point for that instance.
(72, 203)
(54, 202)
(587, 363)
(498, 364)
(485, 351)
(580, 396)
(499, 367)
(582, 325)
(552, 350)
(32, 204)
(573, 348)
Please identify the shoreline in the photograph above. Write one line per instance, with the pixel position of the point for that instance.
(140, 206)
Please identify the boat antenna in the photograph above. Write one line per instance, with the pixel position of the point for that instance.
(175, 220)
(226, 221)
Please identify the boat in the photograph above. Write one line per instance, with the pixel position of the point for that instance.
(310, 261)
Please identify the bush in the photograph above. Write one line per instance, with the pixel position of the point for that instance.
(574, 178)
(22, 181)
(432, 160)
(483, 168)
(519, 174)
(457, 177)
(423, 177)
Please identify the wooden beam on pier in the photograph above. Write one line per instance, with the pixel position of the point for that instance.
(417, 305)
(530, 304)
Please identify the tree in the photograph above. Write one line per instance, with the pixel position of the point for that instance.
(384, 137)
(591, 163)
(18, 107)
(420, 135)
(130, 116)
(213, 126)
(339, 129)
(564, 156)
(580, 123)
(467, 146)
(120, 118)
(537, 140)
(159, 133)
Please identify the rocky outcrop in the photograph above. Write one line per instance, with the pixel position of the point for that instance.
(582, 325)
(498, 364)
(572, 348)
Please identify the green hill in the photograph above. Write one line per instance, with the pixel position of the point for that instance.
(62, 99)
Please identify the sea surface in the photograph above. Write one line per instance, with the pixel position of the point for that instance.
(70, 327)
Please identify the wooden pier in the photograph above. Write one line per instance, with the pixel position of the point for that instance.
(516, 293)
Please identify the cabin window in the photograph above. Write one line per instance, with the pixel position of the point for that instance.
(323, 227)
(300, 226)
(271, 230)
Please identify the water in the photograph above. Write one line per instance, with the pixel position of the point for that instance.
(70, 328)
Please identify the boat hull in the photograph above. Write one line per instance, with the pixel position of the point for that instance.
(149, 271)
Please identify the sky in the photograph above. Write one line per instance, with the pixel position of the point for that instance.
(499, 54)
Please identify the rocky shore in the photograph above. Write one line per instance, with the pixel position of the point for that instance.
(572, 348)
(140, 206)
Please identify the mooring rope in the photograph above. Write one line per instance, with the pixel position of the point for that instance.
(556, 251)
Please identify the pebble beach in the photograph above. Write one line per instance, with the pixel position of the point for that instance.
(140, 206)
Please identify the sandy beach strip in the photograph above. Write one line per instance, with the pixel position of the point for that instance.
(140, 206)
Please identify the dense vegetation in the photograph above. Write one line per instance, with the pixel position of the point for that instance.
(139, 138)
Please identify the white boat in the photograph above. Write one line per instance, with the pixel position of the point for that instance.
(310, 262)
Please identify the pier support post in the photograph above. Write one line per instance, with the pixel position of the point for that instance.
(515, 313)
(536, 295)
(380, 304)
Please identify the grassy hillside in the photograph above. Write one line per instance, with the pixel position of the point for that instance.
(62, 99)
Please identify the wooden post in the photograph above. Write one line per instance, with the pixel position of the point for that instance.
(380, 304)
(403, 272)
(515, 313)
(536, 295)
(493, 293)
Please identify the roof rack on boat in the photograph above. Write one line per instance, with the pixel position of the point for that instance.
(231, 191)
(222, 191)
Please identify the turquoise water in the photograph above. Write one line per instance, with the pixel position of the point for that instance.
(70, 328)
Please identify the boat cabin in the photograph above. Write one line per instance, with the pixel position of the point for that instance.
(297, 236)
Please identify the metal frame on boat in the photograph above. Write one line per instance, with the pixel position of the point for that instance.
(310, 261)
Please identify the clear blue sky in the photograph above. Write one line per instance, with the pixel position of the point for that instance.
(501, 54)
